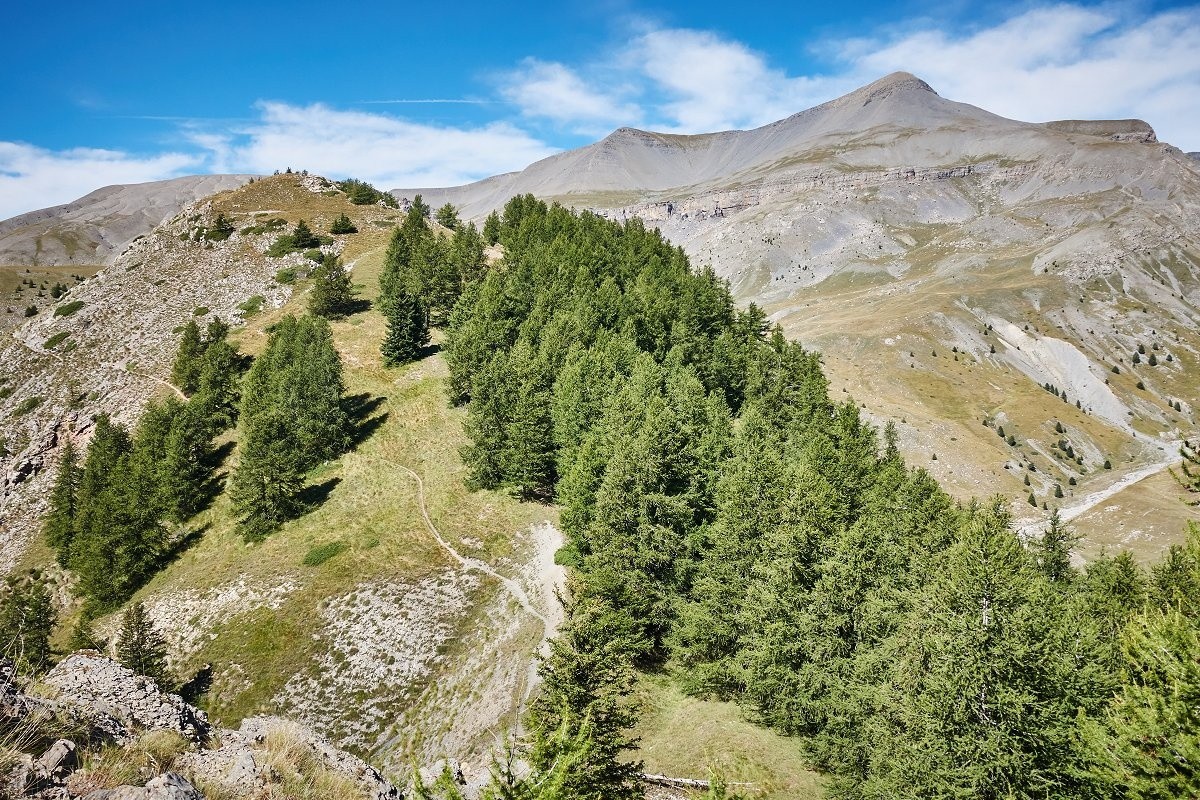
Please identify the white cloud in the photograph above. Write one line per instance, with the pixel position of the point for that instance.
(33, 177)
(388, 152)
(553, 91)
(707, 83)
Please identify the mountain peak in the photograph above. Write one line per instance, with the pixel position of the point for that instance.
(891, 84)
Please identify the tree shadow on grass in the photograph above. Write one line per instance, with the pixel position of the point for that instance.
(315, 495)
(356, 306)
(359, 408)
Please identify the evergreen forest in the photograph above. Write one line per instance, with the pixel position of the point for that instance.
(728, 524)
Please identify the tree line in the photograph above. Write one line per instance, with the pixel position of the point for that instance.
(729, 523)
(424, 274)
(112, 515)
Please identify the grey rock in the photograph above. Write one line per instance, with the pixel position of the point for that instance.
(100, 685)
(168, 786)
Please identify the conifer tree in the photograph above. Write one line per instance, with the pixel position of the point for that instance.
(447, 217)
(26, 621)
(407, 330)
(1188, 475)
(185, 373)
(303, 238)
(342, 224)
(1147, 743)
(266, 486)
(331, 290)
(1053, 551)
(491, 228)
(587, 679)
(140, 646)
(59, 524)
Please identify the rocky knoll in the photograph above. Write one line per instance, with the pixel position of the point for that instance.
(108, 705)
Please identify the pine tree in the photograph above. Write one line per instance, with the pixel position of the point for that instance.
(185, 468)
(1147, 743)
(185, 373)
(59, 524)
(977, 704)
(303, 238)
(342, 224)
(1053, 551)
(140, 646)
(331, 291)
(1188, 475)
(491, 228)
(407, 330)
(587, 679)
(26, 621)
(447, 217)
(267, 483)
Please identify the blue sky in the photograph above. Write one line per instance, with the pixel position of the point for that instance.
(428, 94)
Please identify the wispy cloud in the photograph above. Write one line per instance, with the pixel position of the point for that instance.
(553, 91)
(430, 101)
(385, 150)
(34, 177)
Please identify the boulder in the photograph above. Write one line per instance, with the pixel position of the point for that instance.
(97, 684)
(168, 786)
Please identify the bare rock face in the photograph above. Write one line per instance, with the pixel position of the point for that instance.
(99, 684)
(168, 786)
(1118, 130)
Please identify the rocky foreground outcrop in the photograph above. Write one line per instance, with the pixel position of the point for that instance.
(105, 704)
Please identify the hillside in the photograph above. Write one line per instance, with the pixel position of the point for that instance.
(950, 264)
(400, 618)
(98, 226)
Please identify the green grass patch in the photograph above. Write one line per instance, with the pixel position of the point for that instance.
(200, 311)
(55, 340)
(323, 552)
(67, 309)
(252, 306)
(286, 276)
(27, 405)
(682, 735)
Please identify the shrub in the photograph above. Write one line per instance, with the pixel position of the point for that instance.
(286, 276)
(281, 246)
(67, 309)
(31, 311)
(314, 255)
(55, 340)
(323, 552)
(200, 311)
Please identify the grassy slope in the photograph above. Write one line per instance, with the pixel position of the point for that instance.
(372, 509)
